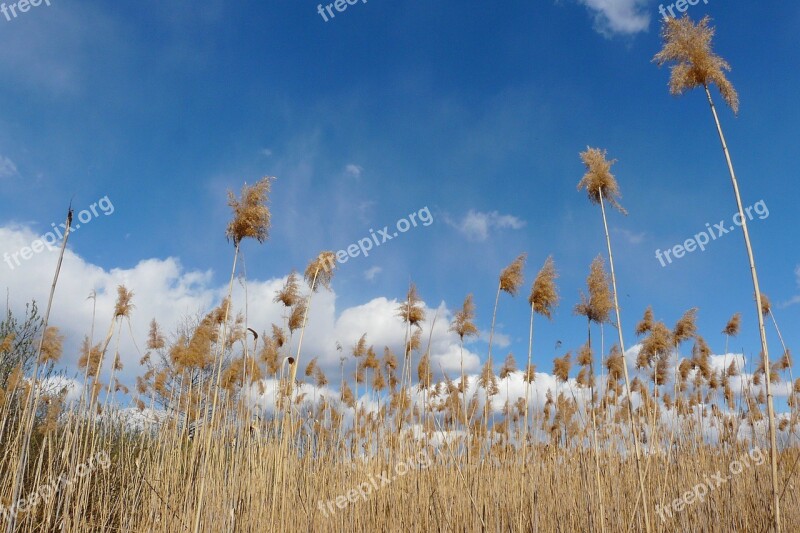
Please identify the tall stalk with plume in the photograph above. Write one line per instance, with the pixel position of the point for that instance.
(596, 308)
(319, 272)
(463, 325)
(511, 279)
(543, 301)
(251, 219)
(602, 187)
(687, 46)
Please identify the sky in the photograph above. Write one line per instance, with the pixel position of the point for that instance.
(469, 115)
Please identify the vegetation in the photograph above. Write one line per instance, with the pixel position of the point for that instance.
(225, 433)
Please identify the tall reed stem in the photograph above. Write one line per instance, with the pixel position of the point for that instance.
(776, 510)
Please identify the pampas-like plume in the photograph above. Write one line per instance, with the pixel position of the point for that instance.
(311, 367)
(487, 380)
(598, 306)
(530, 374)
(598, 180)
(509, 366)
(614, 364)
(511, 277)
(462, 324)
(688, 45)
(290, 292)
(424, 374)
(251, 216)
(732, 327)
(655, 347)
(766, 305)
(320, 270)
(297, 316)
(411, 310)
(51, 345)
(155, 339)
(544, 295)
(269, 355)
(686, 327)
(90, 357)
(123, 306)
(646, 323)
(561, 367)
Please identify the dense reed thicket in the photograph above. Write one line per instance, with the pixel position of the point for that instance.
(240, 431)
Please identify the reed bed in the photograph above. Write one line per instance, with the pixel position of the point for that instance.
(233, 429)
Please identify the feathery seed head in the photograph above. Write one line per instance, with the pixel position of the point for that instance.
(732, 327)
(462, 324)
(123, 306)
(290, 293)
(598, 306)
(511, 277)
(599, 182)
(251, 216)
(320, 270)
(646, 323)
(544, 295)
(686, 327)
(688, 46)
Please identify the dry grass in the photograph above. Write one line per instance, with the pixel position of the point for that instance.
(212, 462)
(585, 457)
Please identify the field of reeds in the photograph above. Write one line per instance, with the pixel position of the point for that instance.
(624, 440)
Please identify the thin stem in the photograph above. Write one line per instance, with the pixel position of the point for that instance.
(776, 512)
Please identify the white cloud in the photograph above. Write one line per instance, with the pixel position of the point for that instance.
(796, 299)
(500, 340)
(477, 226)
(619, 16)
(164, 290)
(354, 170)
(7, 167)
(266, 152)
(630, 236)
(370, 273)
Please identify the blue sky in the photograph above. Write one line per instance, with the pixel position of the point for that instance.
(475, 110)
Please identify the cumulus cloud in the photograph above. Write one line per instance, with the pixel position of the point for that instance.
(624, 17)
(500, 340)
(476, 225)
(163, 289)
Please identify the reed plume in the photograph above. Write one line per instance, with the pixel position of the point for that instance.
(319, 272)
(463, 325)
(687, 47)
(601, 186)
(543, 300)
